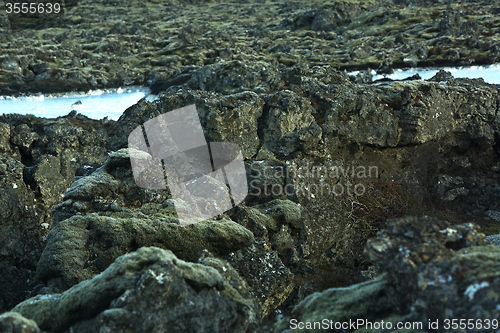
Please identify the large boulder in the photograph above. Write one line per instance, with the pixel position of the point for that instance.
(149, 290)
(13, 322)
(105, 215)
(351, 155)
(423, 256)
(240, 111)
(83, 246)
(429, 270)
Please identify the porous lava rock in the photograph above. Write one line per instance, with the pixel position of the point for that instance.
(126, 297)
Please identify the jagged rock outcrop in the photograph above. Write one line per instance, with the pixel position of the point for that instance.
(321, 181)
(39, 161)
(429, 270)
(106, 214)
(329, 158)
(126, 297)
(22, 233)
(351, 138)
(5, 29)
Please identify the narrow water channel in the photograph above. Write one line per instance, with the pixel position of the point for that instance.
(490, 74)
(95, 104)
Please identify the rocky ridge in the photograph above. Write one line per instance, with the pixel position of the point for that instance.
(430, 271)
(329, 159)
(96, 45)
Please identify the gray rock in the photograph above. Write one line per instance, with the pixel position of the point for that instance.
(10, 64)
(83, 246)
(269, 280)
(367, 300)
(374, 124)
(13, 322)
(5, 144)
(240, 110)
(290, 124)
(445, 182)
(361, 52)
(338, 14)
(190, 33)
(44, 157)
(40, 68)
(278, 222)
(268, 179)
(236, 76)
(49, 182)
(119, 28)
(231, 276)
(493, 239)
(422, 251)
(419, 258)
(23, 137)
(98, 184)
(124, 296)
(4, 23)
(449, 21)
(456, 192)
(281, 212)
(283, 107)
(22, 233)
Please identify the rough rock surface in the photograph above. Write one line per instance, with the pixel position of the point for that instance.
(143, 292)
(376, 139)
(321, 182)
(429, 270)
(21, 243)
(40, 159)
(308, 235)
(103, 226)
(269, 280)
(329, 157)
(100, 44)
(13, 322)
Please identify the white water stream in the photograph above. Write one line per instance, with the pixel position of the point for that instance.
(490, 74)
(96, 104)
